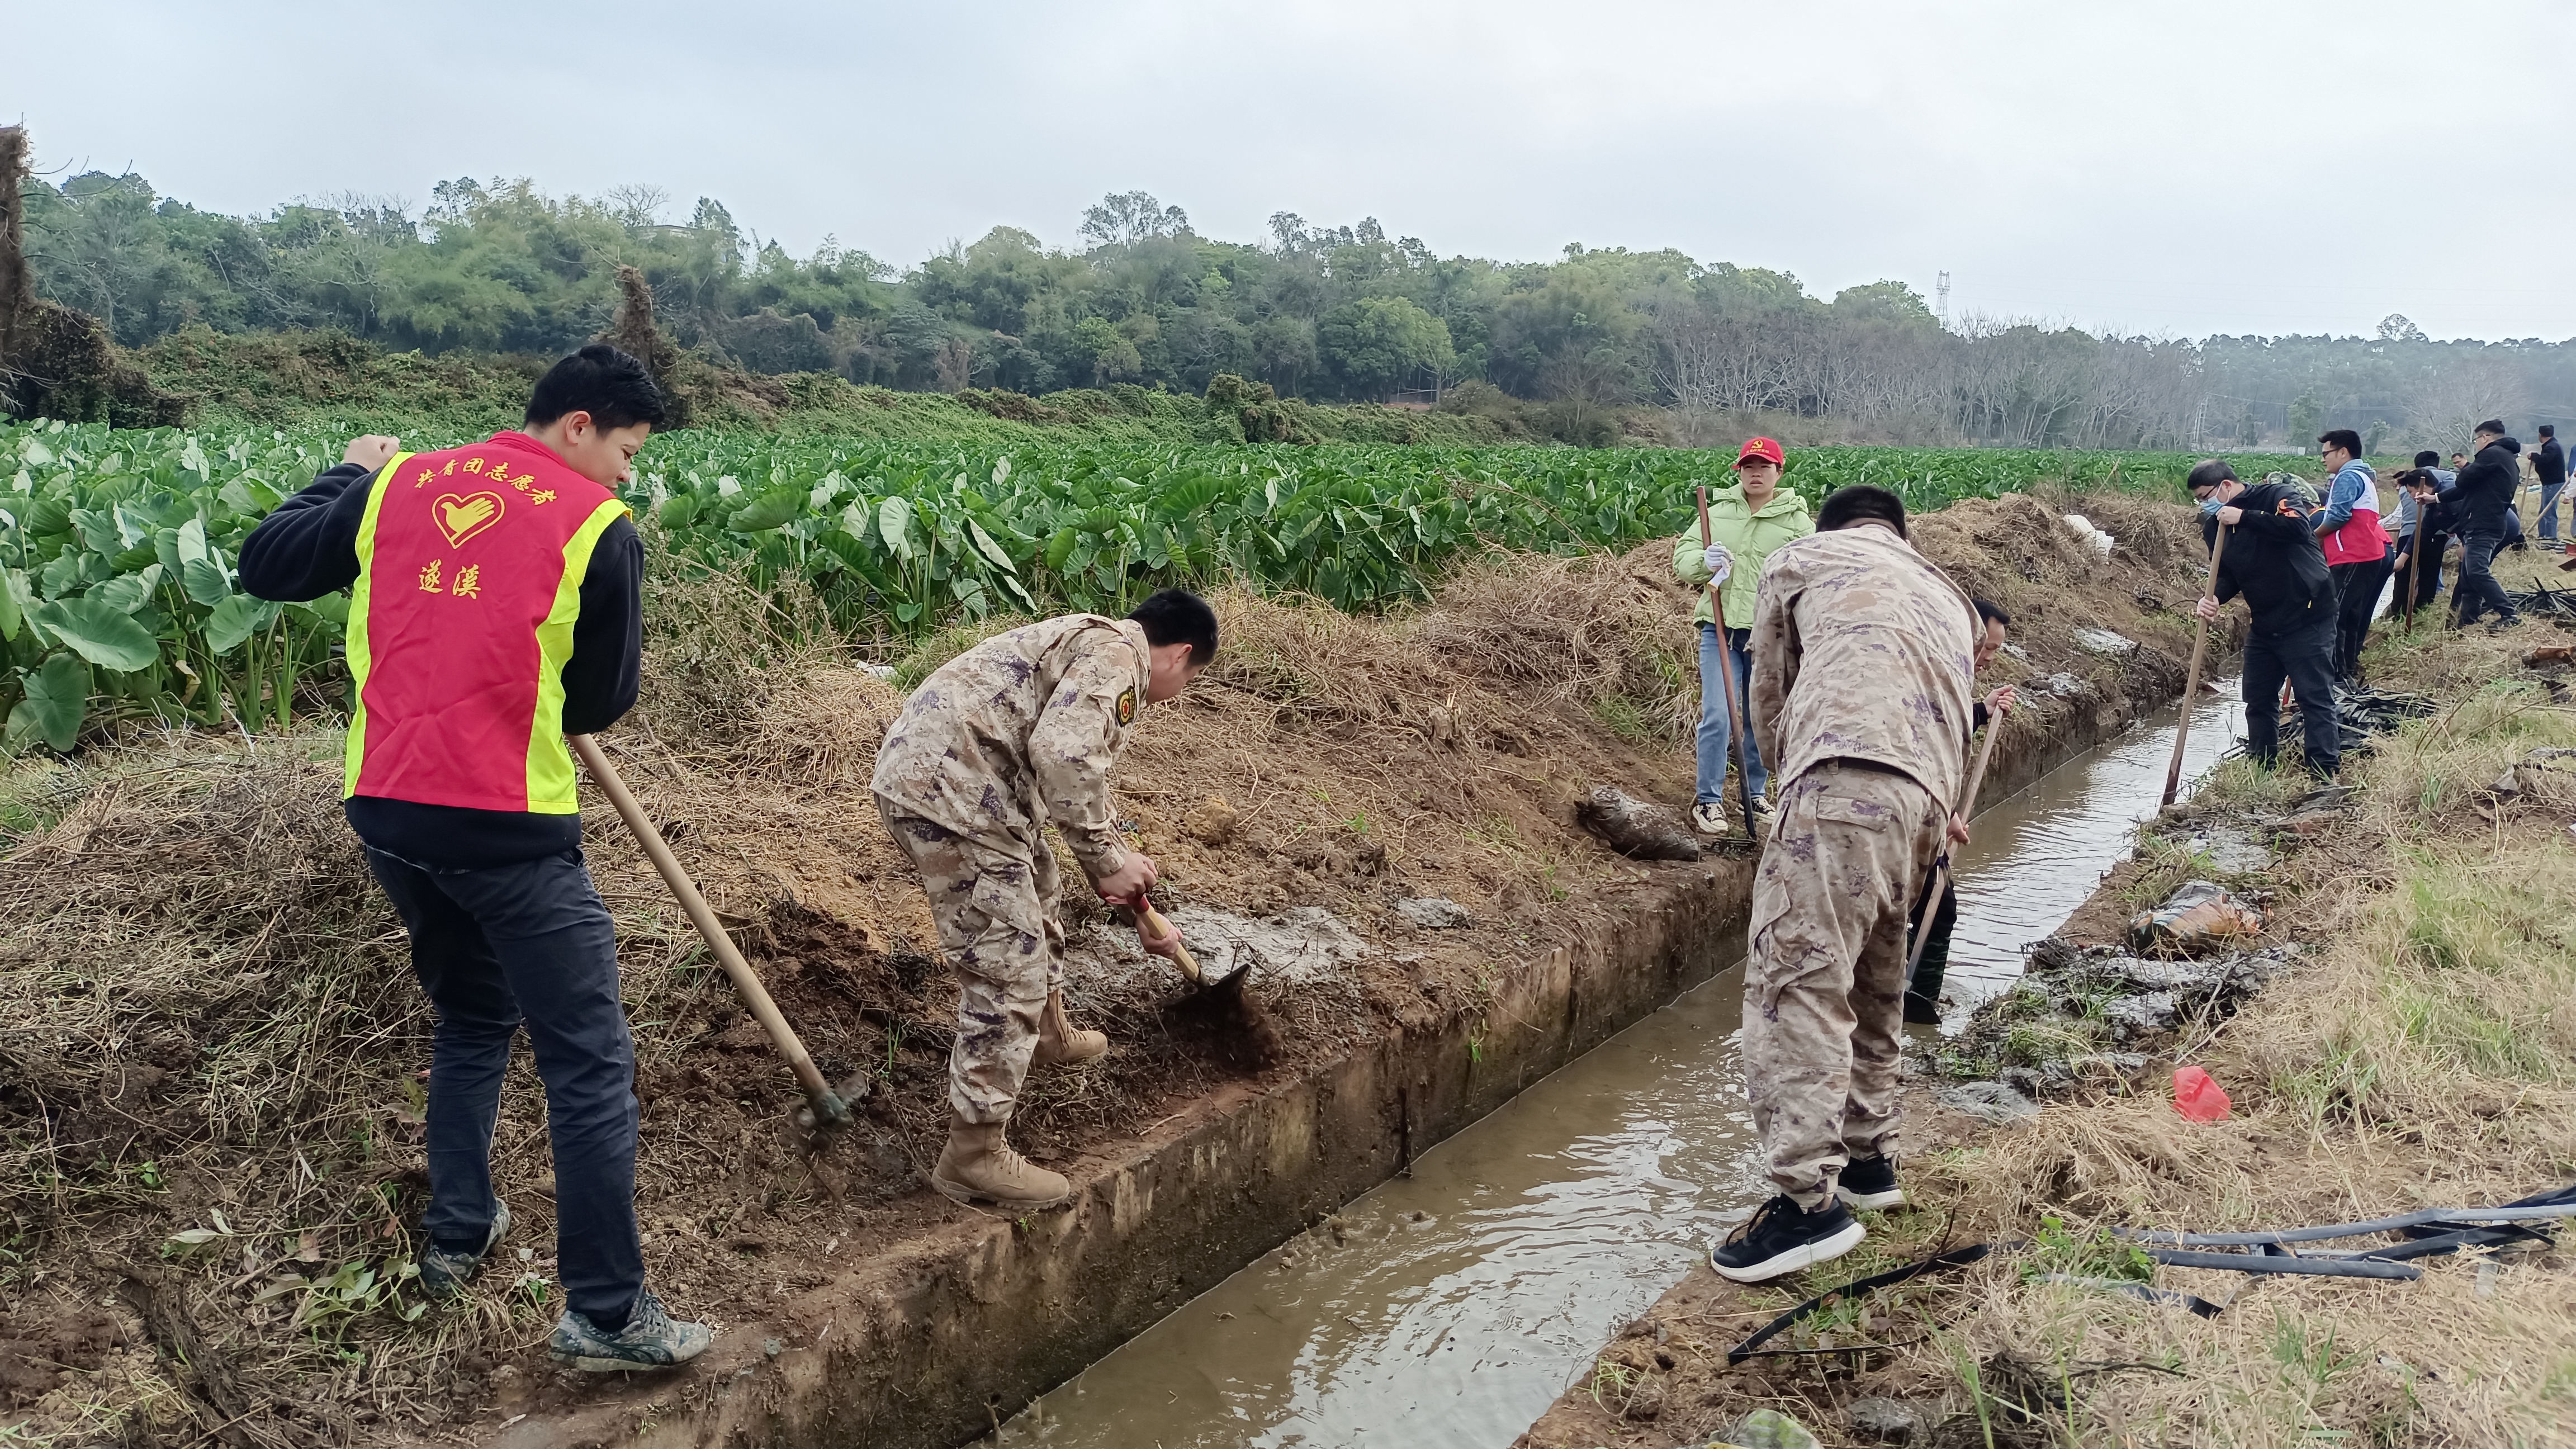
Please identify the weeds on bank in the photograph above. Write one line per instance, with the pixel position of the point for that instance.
(2423, 1053)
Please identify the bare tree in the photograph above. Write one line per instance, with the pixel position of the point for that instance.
(637, 206)
(2447, 401)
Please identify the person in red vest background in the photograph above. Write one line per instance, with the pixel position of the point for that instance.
(2358, 550)
(496, 604)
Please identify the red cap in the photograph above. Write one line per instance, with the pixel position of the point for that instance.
(1766, 449)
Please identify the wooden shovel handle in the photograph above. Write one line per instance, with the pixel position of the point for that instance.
(2191, 680)
(1162, 925)
(746, 982)
(1726, 677)
(1941, 869)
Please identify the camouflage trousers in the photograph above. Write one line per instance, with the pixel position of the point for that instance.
(1824, 984)
(995, 907)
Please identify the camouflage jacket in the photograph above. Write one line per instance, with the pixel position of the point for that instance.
(1862, 650)
(1021, 730)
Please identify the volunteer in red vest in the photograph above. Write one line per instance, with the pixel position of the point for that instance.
(495, 605)
(2358, 550)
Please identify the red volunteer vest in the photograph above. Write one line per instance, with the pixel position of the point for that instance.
(2360, 540)
(470, 564)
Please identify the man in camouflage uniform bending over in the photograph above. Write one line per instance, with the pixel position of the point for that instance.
(1863, 685)
(1015, 733)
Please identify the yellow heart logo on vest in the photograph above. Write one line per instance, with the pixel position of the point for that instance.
(462, 518)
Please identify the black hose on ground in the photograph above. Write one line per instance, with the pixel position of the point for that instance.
(2435, 1231)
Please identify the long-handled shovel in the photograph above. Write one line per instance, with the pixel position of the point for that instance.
(1726, 679)
(2414, 551)
(1941, 867)
(2191, 682)
(824, 1106)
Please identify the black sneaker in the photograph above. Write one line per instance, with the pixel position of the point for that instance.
(2502, 622)
(651, 1339)
(444, 1272)
(1870, 1182)
(1782, 1238)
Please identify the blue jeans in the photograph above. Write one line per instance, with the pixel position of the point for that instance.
(1712, 717)
(2549, 509)
(528, 944)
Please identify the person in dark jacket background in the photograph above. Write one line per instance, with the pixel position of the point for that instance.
(2484, 497)
(2549, 465)
(495, 607)
(2274, 560)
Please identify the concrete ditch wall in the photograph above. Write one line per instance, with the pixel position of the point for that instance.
(965, 1328)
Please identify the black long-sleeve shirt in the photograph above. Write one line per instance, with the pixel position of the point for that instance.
(308, 547)
(2274, 560)
(2487, 486)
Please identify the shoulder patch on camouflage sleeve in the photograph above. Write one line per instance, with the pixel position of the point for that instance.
(1127, 706)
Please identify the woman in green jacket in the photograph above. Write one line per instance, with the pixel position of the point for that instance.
(1745, 523)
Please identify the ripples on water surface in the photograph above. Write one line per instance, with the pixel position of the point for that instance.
(1566, 1212)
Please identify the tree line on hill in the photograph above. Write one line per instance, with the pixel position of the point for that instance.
(1569, 349)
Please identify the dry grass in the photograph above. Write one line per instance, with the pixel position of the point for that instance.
(214, 1030)
(2421, 1054)
(2426, 1056)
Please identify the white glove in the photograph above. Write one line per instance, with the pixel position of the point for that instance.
(1720, 562)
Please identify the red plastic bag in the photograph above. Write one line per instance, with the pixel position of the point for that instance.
(2199, 1098)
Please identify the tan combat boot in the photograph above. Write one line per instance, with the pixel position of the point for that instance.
(977, 1166)
(1059, 1044)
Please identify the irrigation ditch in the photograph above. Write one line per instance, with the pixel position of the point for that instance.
(2391, 1026)
(1379, 809)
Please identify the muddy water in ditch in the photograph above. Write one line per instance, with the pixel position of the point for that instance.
(1449, 1308)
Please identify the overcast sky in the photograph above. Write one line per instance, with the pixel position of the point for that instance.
(2184, 166)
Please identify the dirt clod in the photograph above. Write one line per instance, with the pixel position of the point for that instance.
(1636, 828)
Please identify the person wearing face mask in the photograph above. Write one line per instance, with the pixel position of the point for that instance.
(495, 606)
(2273, 559)
(1746, 522)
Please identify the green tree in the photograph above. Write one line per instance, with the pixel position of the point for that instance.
(1112, 356)
(2305, 414)
(1375, 344)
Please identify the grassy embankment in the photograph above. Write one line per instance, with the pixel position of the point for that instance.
(2422, 1053)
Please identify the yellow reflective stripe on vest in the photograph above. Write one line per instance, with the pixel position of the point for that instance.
(552, 787)
(354, 637)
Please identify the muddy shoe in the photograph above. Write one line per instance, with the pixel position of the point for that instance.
(1059, 1044)
(1709, 818)
(1757, 820)
(444, 1272)
(1780, 1238)
(978, 1168)
(651, 1339)
(1870, 1182)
